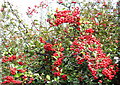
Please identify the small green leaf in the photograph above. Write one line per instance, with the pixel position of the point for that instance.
(100, 74)
(16, 75)
(48, 77)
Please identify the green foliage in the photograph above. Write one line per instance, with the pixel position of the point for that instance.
(38, 61)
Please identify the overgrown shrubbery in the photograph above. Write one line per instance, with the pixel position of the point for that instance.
(78, 46)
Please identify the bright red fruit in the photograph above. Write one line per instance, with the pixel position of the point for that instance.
(64, 77)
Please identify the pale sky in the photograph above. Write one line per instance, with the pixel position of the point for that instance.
(22, 5)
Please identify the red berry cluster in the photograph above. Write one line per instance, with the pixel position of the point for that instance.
(65, 16)
(48, 47)
(7, 59)
(90, 30)
(58, 62)
(20, 63)
(56, 73)
(93, 54)
(13, 71)
(10, 79)
(80, 61)
(64, 77)
(41, 40)
(58, 57)
(110, 72)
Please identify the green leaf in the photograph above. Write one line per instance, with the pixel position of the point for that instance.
(100, 74)
(48, 77)
(18, 74)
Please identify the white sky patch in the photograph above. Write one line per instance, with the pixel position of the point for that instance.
(22, 5)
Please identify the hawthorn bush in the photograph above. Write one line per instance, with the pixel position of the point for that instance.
(77, 46)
